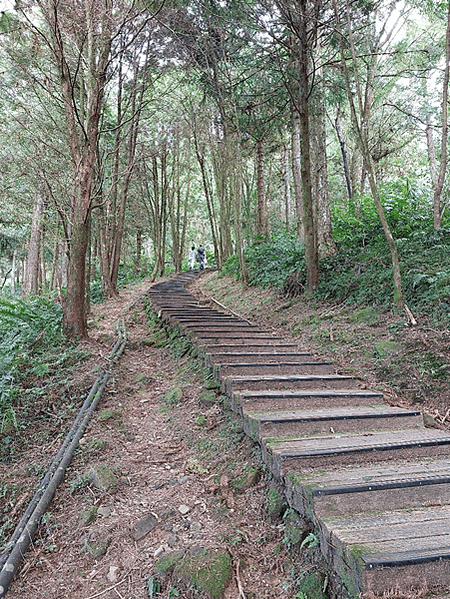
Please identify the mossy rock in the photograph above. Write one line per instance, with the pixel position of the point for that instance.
(207, 572)
(173, 396)
(275, 504)
(211, 384)
(103, 478)
(208, 398)
(245, 481)
(98, 547)
(89, 515)
(167, 563)
(107, 414)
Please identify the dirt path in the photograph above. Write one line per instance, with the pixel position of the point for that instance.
(175, 464)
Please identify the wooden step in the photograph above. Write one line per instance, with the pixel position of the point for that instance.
(283, 423)
(254, 401)
(229, 338)
(273, 346)
(274, 382)
(370, 489)
(392, 549)
(284, 367)
(218, 356)
(293, 455)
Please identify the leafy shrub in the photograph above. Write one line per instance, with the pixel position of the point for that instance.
(27, 330)
(269, 264)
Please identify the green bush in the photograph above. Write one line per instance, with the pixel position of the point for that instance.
(28, 329)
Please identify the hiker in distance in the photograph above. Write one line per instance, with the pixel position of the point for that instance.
(191, 258)
(201, 256)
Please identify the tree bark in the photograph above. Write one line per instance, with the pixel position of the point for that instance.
(261, 226)
(309, 223)
(348, 181)
(31, 278)
(437, 211)
(296, 173)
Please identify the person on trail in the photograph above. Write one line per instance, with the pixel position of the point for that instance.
(191, 258)
(201, 257)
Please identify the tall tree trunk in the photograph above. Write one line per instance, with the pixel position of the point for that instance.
(309, 223)
(31, 278)
(287, 186)
(348, 181)
(437, 211)
(261, 202)
(83, 133)
(326, 244)
(296, 173)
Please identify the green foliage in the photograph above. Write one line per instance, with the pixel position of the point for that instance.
(270, 263)
(28, 329)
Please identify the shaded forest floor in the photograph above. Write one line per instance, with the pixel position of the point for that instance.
(174, 460)
(183, 462)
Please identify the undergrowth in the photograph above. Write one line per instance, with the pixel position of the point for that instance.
(31, 342)
(360, 272)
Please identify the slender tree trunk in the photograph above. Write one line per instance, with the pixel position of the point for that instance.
(437, 211)
(261, 204)
(296, 173)
(309, 224)
(287, 186)
(31, 279)
(348, 182)
(431, 152)
(325, 240)
(361, 129)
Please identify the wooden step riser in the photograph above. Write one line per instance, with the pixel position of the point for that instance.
(242, 403)
(224, 370)
(225, 326)
(226, 358)
(281, 466)
(239, 340)
(260, 430)
(232, 385)
(275, 348)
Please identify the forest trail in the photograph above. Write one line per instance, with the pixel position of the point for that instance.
(371, 477)
(184, 476)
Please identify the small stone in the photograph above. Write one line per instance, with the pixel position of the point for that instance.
(104, 511)
(428, 420)
(143, 527)
(112, 574)
(182, 480)
(103, 478)
(184, 509)
(196, 526)
(158, 551)
(88, 516)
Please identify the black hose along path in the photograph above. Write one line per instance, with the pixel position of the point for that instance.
(370, 478)
(22, 537)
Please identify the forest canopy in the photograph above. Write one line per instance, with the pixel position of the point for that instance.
(296, 139)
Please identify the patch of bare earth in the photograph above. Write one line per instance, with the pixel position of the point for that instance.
(184, 470)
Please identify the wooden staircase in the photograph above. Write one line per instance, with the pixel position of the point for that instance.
(370, 477)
